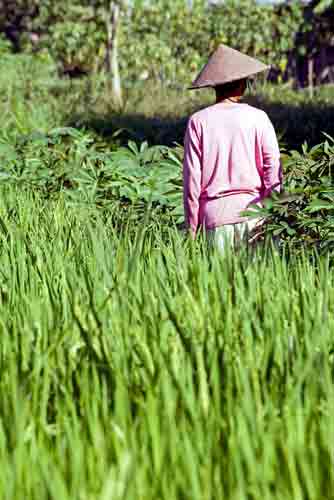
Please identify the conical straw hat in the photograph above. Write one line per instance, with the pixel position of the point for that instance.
(227, 65)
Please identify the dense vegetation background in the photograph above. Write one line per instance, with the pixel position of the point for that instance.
(166, 41)
(133, 363)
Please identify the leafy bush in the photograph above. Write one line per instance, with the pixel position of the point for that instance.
(88, 171)
(78, 165)
(5, 46)
(32, 96)
(303, 215)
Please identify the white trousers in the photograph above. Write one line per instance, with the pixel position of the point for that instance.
(232, 235)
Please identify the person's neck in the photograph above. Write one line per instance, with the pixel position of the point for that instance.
(229, 100)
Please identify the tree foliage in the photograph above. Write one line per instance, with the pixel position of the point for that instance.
(164, 40)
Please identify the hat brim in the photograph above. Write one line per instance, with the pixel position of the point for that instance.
(227, 65)
(211, 85)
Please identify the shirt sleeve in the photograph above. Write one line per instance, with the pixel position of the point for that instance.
(192, 173)
(272, 169)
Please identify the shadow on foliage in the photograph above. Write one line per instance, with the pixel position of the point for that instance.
(294, 123)
(299, 123)
(135, 127)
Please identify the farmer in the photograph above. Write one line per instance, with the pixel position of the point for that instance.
(232, 157)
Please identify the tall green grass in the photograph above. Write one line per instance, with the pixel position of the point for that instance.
(136, 366)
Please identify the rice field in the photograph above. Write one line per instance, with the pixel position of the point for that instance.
(137, 365)
(134, 363)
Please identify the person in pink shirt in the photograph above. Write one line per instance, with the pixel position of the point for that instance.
(231, 157)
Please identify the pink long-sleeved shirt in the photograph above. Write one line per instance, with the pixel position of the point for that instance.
(231, 160)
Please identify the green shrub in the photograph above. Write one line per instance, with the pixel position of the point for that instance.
(78, 165)
(303, 216)
(86, 171)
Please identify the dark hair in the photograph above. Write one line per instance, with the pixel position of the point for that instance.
(226, 89)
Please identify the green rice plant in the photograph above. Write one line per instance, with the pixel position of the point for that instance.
(134, 364)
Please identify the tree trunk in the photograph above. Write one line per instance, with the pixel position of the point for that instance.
(310, 71)
(324, 68)
(112, 62)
